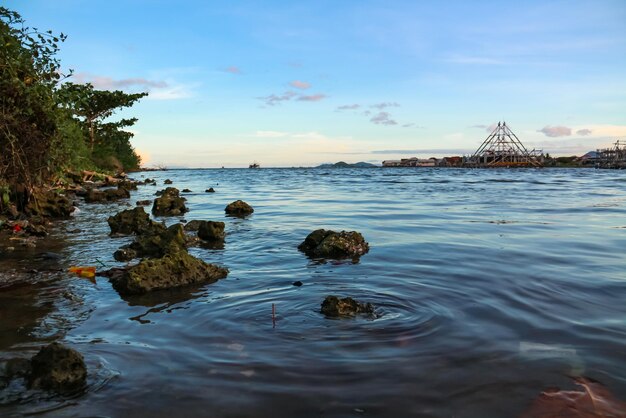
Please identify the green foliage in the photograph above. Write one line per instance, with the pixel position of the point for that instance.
(28, 113)
(46, 128)
(108, 141)
(93, 106)
(70, 147)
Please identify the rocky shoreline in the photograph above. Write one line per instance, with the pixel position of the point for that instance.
(157, 259)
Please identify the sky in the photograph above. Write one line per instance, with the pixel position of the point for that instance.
(303, 83)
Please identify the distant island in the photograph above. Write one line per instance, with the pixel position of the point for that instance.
(343, 164)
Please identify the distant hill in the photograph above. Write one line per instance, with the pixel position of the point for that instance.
(342, 164)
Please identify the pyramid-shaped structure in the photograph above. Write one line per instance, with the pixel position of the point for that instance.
(502, 148)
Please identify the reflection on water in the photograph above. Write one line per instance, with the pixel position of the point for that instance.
(489, 286)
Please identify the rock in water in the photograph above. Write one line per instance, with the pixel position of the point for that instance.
(130, 221)
(169, 204)
(210, 190)
(192, 225)
(331, 244)
(143, 202)
(239, 208)
(58, 368)
(167, 181)
(211, 231)
(334, 306)
(49, 204)
(154, 242)
(108, 195)
(172, 270)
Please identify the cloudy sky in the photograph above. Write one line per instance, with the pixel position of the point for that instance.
(322, 81)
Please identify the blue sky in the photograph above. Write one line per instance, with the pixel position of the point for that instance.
(322, 81)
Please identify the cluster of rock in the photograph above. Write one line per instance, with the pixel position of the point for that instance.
(323, 244)
(165, 261)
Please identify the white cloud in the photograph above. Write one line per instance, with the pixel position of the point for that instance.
(349, 107)
(383, 105)
(157, 89)
(312, 98)
(303, 85)
(383, 118)
(556, 131)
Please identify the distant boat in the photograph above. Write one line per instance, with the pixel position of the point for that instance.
(254, 165)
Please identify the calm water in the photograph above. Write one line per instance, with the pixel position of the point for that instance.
(490, 286)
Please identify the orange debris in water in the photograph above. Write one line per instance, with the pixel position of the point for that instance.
(88, 272)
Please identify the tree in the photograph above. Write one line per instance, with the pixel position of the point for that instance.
(29, 73)
(94, 106)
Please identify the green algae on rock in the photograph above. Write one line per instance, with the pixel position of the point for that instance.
(58, 368)
(155, 241)
(108, 195)
(50, 204)
(238, 208)
(169, 204)
(330, 244)
(192, 225)
(172, 270)
(130, 221)
(334, 306)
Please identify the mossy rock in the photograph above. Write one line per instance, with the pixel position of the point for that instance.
(155, 243)
(127, 184)
(192, 225)
(170, 271)
(334, 306)
(330, 244)
(130, 221)
(49, 204)
(58, 368)
(169, 204)
(238, 208)
(211, 231)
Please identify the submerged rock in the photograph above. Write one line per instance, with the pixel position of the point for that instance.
(335, 307)
(58, 368)
(172, 270)
(169, 204)
(186, 191)
(211, 231)
(239, 208)
(331, 244)
(144, 202)
(130, 221)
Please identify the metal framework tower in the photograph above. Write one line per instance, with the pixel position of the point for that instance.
(502, 148)
(612, 157)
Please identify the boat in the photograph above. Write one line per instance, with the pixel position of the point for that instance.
(254, 165)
